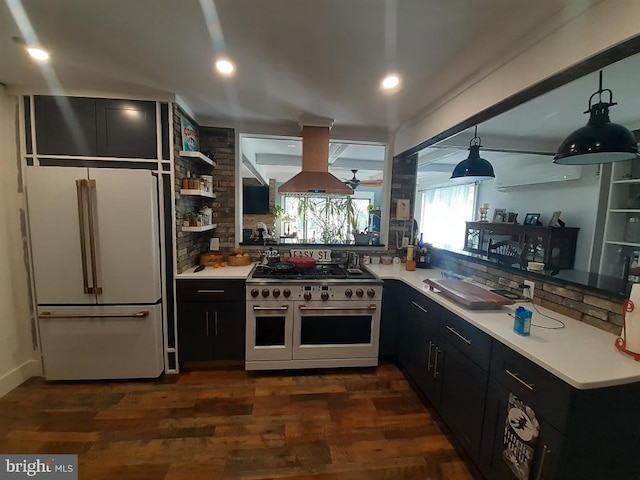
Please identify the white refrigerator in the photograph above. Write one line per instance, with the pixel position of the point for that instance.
(96, 261)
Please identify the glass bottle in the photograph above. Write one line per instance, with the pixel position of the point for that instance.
(420, 242)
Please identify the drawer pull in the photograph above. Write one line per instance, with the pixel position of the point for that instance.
(452, 330)
(420, 307)
(210, 291)
(516, 377)
(545, 451)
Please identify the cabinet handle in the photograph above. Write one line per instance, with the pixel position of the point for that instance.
(545, 451)
(215, 318)
(210, 291)
(420, 307)
(429, 357)
(522, 382)
(452, 330)
(435, 363)
(207, 317)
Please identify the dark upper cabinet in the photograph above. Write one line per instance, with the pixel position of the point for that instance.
(95, 127)
(65, 126)
(126, 128)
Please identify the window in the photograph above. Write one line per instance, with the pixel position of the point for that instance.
(444, 213)
(326, 219)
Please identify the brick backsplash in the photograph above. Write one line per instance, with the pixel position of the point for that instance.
(221, 142)
(597, 309)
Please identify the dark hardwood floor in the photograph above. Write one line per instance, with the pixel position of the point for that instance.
(227, 423)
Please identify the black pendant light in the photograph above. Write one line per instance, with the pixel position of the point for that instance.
(600, 141)
(474, 168)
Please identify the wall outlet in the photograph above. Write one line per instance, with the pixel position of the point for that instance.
(214, 244)
(528, 292)
(405, 242)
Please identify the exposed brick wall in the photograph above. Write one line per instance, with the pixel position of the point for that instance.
(404, 176)
(598, 309)
(221, 142)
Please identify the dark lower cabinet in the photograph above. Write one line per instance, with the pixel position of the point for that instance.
(389, 319)
(495, 460)
(211, 331)
(418, 341)
(211, 320)
(485, 391)
(95, 127)
(463, 388)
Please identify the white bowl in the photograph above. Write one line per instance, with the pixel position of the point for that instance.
(535, 266)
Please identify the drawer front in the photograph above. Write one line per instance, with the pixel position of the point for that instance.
(417, 305)
(210, 290)
(471, 341)
(550, 397)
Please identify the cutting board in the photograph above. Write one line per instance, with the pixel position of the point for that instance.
(468, 295)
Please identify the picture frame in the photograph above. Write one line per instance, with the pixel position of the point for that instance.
(554, 219)
(499, 215)
(531, 218)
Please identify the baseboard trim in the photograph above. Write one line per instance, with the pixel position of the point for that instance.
(16, 376)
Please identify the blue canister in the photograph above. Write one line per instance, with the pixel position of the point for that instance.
(522, 322)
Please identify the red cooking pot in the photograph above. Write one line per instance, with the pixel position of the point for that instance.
(302, 263)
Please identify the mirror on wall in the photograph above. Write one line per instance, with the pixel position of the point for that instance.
(601, 201)
(316, 219)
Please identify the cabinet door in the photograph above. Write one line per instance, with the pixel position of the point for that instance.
(462, 396)
(126, 128)
(417, 345)
(494, 463)
(195, 332)
(65, 126)
(229, 330)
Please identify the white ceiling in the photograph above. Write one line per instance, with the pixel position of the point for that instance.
(322, 58)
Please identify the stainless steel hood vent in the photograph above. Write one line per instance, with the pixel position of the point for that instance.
(315, 176)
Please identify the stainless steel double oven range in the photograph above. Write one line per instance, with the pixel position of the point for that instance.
(328, 316)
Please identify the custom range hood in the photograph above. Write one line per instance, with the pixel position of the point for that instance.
(315, 176)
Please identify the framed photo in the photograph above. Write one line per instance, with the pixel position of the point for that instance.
(554, 219)
(531, 218)
(499, 215)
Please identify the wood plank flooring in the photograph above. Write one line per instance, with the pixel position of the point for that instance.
(231, 424)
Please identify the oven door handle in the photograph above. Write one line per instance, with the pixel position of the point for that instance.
(283, 307)
(367, 308)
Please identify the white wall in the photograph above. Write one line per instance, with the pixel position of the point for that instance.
(585, 29)
(577, 199)
(18, 359)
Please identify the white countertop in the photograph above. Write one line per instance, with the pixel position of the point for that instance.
(581, 355)
(217, 273)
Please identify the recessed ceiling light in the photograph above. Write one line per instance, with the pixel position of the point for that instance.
(390, 82)
(38, 54)
(224, 66)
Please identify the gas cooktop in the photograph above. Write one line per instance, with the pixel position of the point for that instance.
(322, 271)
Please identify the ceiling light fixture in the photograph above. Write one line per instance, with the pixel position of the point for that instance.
(38, 54)
(599, 141)
(390, 82)
(474, 168)
(224, 66)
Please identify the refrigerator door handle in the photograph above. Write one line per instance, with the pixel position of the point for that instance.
(141, 314)
(92, 237)
(80, 188)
